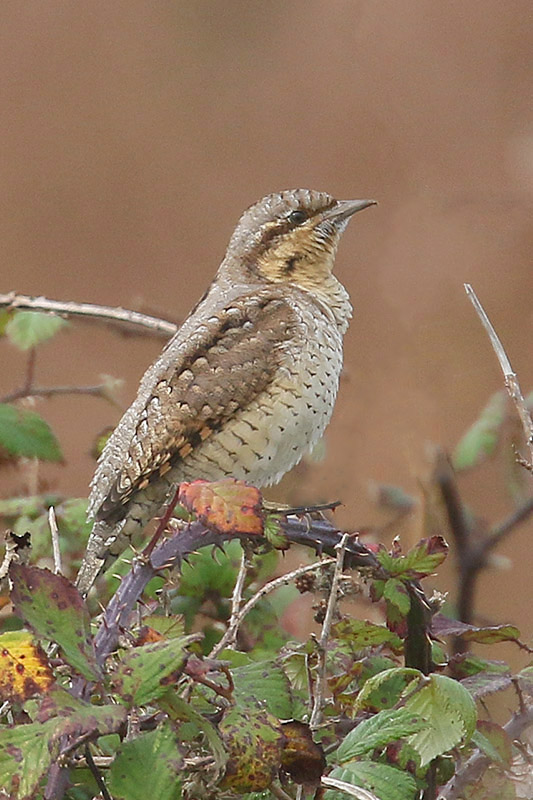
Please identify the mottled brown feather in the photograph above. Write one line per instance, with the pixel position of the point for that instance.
(229, 363)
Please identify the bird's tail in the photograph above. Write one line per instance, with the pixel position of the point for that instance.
(99, 547)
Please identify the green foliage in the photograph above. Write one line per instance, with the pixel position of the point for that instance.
(482, 437)
(384, 781)
(274, 683)
(27, 329)
(25, 433)
(173, 722)
(144, 673)
(154, 754)
(378, 731)
(54, 609)
(450, 713)
(26, 754)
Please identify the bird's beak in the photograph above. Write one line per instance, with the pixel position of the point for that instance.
(344, 209)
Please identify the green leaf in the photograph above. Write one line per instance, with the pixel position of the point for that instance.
(494, 741)
(209, 572)
(148, 766)
(482, 437)
(5, 316)
(75, 717)
(487, 634)
(26, 329)
(25, 433)
(386, 782)
(450, 712)
(31, 506)
(178, 710)
(145, 673)
(275, 693)
(274, 534)
(26, 753)
(386, 688)
(56, 611)
(421, 560)
(492, 634)
(396, 593)
(378, 731)
(354, 635)
(495, 784)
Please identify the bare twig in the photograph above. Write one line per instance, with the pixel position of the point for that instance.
(91, 311)
(54, 531)
(508, 525)
(511, 381)
(96, 774)
(30, 370)
(262, 592)
(99, 390)
(324, 634)
(236, 598)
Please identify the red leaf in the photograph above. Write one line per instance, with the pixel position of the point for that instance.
(227, 506)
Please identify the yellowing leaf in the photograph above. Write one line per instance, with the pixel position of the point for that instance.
(24, 668)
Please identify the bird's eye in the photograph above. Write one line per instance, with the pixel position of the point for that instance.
(298, 216)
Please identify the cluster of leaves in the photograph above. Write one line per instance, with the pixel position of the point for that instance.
(159, 716)
(24, 432)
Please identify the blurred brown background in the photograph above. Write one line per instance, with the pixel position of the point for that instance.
(134, 134)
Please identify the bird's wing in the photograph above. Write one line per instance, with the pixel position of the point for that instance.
(190, 392)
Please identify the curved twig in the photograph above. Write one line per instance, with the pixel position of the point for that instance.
(90, 311)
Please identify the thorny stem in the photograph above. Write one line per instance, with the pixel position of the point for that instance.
(235, 623)
(90, 311)
(324, 635)
(162, 526)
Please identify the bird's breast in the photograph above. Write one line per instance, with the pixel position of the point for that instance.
(268, 437)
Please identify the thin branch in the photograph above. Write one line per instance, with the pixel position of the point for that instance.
(511, 381)
(347, 788)
(54, 531)
(324, 634)
(30, 370)
(262, 592)
(90, 311)
(96, 774)
(508, 525)
(99, 390)
(236, 598)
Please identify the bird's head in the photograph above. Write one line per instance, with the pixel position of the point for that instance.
(292, 236)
